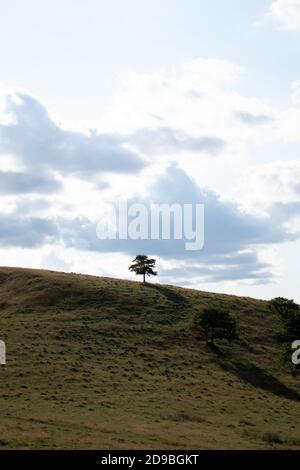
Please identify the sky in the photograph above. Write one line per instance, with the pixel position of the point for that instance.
(166, 101)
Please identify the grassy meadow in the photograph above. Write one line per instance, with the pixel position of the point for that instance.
(99, 363)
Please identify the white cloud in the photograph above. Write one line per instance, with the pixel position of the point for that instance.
(295, 92)
(273, 182)
(286, 13)
(45, 149)
(54, 262)
(54, 180)
(233, 238)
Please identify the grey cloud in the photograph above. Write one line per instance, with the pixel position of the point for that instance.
(229, 233)
(24, 183)
(52, 261)
(28, 205)
(42, 145)
(44, 148)
(283, 211)
(253, 119)
(296, 188)
(238, 267)
(26, 232)
(165, 140)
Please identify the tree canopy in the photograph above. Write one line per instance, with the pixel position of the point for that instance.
(143, 265)
(283, 307)
(216, 323)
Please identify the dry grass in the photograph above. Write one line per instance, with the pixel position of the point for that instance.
(104, 363)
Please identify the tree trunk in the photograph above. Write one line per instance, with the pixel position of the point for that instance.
(206, 337)
(212, 336)
(144, 278)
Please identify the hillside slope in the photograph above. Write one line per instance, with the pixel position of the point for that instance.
(112, 364)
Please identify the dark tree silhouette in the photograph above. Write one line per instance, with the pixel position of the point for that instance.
(283, 307)
(216, 323)
(289, 314)
(142, 265)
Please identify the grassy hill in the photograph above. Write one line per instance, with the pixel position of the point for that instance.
(112, 364)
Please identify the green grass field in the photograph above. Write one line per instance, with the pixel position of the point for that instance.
(98, 363)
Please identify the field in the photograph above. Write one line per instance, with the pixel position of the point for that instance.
(99, 363)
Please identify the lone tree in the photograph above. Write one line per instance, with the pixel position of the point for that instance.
(216, 323)
(142, 265)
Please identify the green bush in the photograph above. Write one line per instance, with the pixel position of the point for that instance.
(216, 323)
(289, 314)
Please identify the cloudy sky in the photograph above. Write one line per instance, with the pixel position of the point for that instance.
(160, 101)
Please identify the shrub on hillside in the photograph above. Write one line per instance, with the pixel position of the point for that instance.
(216, 323)
(289, 314)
